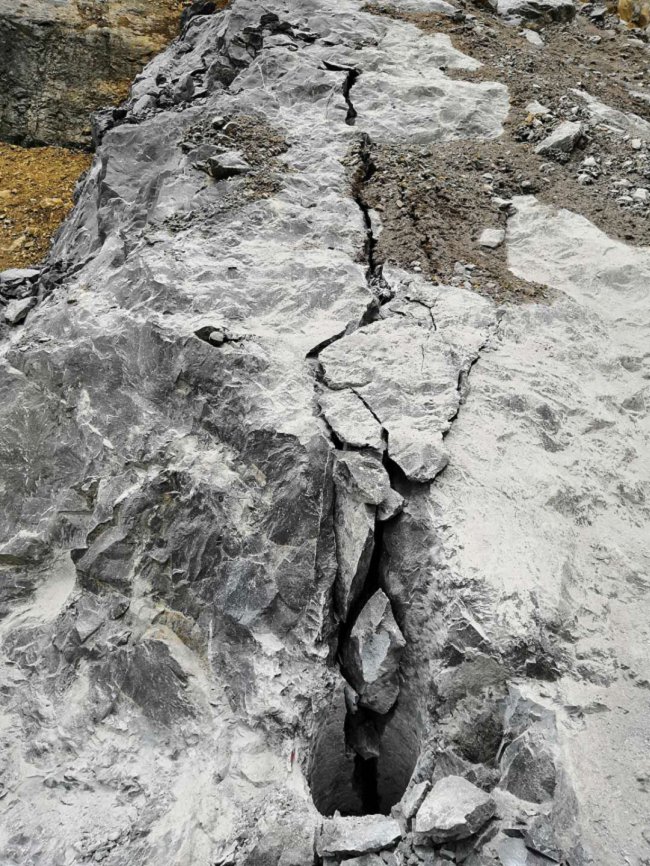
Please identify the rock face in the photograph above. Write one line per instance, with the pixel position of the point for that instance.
(241, 461)
(61, 59)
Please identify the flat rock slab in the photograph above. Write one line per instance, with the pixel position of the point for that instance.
(453, 809)
(353, 836)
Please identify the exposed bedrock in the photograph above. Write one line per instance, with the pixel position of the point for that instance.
(60, 60)
(294, 547)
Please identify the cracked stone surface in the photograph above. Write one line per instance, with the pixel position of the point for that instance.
(227, 436)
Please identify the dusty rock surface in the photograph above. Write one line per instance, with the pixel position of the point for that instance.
(235, 410)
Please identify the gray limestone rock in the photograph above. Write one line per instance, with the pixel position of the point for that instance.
(354, 530)
(226, 165)
(364, 860)
(350, 420)
(492, 238)
(550, 10)
(413, 798)
(391, 506)
(16, 311)
(189, 517)
(528, 764)
(370, 657)
(362, 477)
(562, 140)
(351, 836)
(13, 277)
(453, 809)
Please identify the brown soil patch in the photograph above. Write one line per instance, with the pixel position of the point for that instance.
(36, 186)
(435, 202)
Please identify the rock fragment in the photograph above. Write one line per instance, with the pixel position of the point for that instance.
(562, 140)
(227, 165)
(540, 836)
(16, 311)
(354, 836)
(536, 109)
(364, 860)
(453, 809)
(391, 506)
(420, 457)
(533, 37)
(14, 277)
(363, 476)
(549, 10)
(354, 528)
(492, 238)
(350, 419)
(413, 799)
(370, 657)
(528, 765)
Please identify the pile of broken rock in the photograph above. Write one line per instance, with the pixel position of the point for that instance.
(450, 821)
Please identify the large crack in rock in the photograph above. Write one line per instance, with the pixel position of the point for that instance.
(294, 557)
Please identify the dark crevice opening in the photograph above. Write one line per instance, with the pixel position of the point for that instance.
(352, 74)
(365, 781)
(351, 771)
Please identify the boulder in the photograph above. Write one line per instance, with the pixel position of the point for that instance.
(453, 809)
(371, 655)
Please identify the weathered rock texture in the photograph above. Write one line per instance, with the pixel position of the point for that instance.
(224, 430)
(62, 59)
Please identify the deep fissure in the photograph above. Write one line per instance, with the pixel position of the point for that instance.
(352, 74)
(363, 727)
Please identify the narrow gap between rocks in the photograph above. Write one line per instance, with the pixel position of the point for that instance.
(351, 773)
